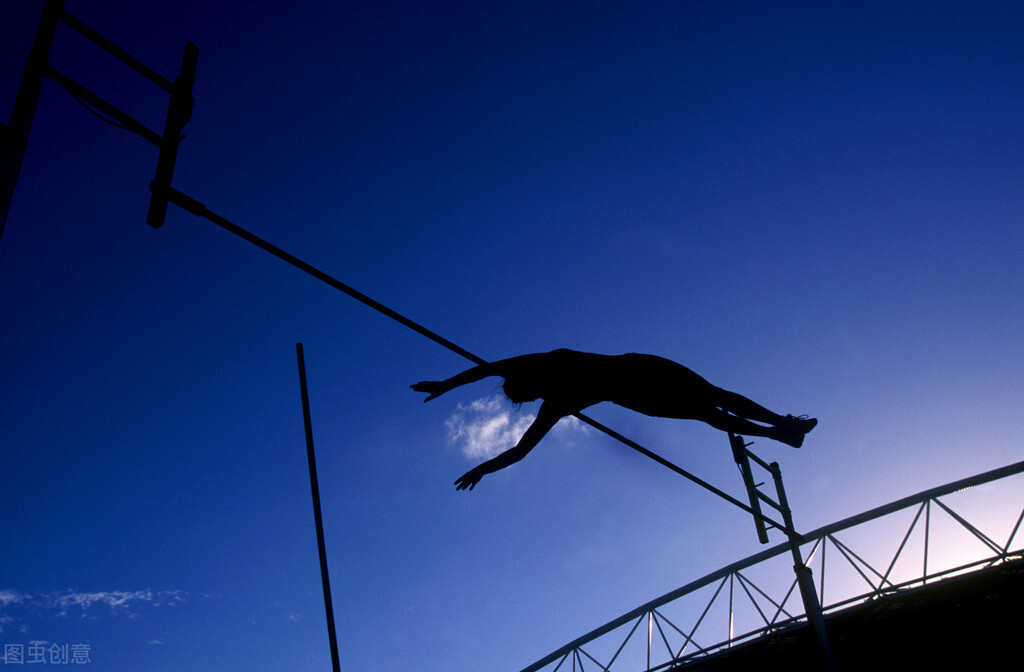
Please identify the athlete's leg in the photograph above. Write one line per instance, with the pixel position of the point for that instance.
(787, 429)
(790, 431)
(719, 419)
(739, 405)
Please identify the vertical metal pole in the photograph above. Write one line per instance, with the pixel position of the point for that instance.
(329, 607)
(179, 112)
(927, 529)
(821, 579)
(742, 457)
(650, 636)
(15, 137)
(732, 618)
(35, 68)
(815, 617)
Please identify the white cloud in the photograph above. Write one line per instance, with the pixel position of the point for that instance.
(492, 425)
(115, 600)
(118, 601)
(16, 605)
(487, 427)
(12, 597)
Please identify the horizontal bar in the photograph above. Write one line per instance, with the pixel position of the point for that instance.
(117, 52)
(198, 209)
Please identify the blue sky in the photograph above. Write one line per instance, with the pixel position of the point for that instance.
(817, 205)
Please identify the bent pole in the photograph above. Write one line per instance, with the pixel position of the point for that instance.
(199, 210)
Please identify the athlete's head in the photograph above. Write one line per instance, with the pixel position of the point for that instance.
(521, 388)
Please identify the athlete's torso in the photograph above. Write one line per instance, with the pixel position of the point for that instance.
(583, 379)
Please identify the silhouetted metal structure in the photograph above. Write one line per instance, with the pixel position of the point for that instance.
(812, 607)
(967, 622)
(14, 137)
(696, 624)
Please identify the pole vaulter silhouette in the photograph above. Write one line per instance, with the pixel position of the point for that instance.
(569, 381)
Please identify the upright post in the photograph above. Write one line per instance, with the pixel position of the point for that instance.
(812, 607)
(742, 457)
(14, 138)
(179, 112)
(325, 579)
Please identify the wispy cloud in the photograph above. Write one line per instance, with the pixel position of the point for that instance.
(491, 425)
(117, 601)
(486, 427)
(8, 597)
(16, 605)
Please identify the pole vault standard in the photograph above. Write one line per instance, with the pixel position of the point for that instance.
(808, 594)
(14, 136)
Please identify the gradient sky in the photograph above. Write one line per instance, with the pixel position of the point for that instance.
(816, 204)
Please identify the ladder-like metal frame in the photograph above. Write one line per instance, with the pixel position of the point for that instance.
(812, 606)
(14, 136)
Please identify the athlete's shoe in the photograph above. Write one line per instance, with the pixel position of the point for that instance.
(793, 430)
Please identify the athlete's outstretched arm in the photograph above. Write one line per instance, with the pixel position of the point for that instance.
(548, 415)
(435, 388)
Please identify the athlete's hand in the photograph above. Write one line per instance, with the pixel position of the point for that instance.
(469, 479)
(435, 388)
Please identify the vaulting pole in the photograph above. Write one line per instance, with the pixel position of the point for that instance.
(325, 579)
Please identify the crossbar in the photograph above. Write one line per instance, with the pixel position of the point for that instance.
(196, 208)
